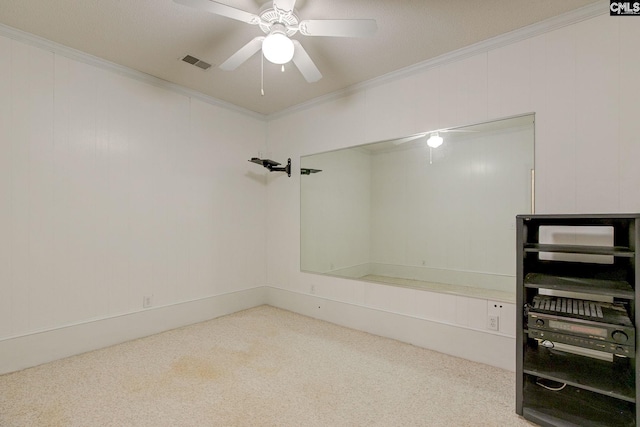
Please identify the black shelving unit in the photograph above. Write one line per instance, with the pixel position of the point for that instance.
(559, 383)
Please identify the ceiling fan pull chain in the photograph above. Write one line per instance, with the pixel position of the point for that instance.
(262, 74)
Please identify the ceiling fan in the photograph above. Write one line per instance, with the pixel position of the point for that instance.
(279, 23)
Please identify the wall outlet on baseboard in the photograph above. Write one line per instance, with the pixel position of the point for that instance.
(147, 301)
(493, 323)
(495, 309)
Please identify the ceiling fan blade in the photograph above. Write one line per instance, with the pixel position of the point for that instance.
(284, 5)
(222, 10)
(245, 52)
(339, 27)
(304, 63)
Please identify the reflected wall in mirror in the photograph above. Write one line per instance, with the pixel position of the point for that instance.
(403, 213)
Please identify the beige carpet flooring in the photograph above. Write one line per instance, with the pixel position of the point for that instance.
(260, 367)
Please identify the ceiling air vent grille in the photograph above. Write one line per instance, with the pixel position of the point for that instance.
(197, 62)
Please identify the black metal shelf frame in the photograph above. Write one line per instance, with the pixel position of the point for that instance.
(593, 392)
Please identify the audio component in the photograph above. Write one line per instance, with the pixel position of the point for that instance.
(596, 325)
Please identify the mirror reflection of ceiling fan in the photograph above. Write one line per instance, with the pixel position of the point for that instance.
(279, 23)
(434, 140)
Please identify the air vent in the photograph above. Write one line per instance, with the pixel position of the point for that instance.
(197, 62)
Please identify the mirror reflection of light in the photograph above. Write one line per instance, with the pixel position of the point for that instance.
(435, 140)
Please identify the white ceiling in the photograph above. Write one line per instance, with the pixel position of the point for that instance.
(152, 36)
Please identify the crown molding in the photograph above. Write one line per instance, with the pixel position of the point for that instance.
(569, 18)
(77, 55)
(566, 19)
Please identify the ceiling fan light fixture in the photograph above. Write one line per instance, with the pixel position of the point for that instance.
(435, 140)
(279, 23)
(277, 47)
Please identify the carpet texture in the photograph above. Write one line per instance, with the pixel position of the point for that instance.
(260, 367)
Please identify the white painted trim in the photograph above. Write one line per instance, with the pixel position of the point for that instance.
(569, 18)
(77, 55)
(491, 348)
(45, 346)
(486, 347)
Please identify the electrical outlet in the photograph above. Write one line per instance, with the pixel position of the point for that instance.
(147, 301)
(493, 323)
(495, 310)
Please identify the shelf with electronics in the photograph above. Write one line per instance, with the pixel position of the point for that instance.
(577, 303)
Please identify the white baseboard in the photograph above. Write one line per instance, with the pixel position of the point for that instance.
(42, 347)
(474, 345)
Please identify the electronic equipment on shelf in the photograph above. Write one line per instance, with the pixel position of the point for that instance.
(596, 325)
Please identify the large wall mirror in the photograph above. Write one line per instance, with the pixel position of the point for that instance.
(404, 213)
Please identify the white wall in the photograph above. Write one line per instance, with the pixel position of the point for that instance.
(112, 189)
(578, 79)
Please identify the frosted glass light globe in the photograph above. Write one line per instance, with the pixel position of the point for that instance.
(277, 48)
(435, 140)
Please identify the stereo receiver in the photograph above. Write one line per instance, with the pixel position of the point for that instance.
(590, 324)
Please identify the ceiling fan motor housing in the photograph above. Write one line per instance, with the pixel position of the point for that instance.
(270, 16)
